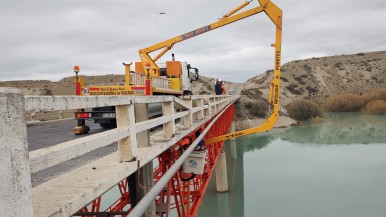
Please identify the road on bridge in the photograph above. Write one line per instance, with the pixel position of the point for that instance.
(46, 134)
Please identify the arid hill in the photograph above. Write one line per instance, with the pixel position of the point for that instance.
(314, 78)
(317, 78)
(66, 86)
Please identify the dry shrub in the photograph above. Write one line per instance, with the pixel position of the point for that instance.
(377, 107)
(257, 109)
(374, 94)
(344, 102)
(300, 109)
(317, 120)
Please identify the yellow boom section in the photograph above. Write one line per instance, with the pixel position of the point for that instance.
(275, 14)
(166, 45)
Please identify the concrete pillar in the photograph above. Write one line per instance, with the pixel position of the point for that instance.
(221, 173)
(188, 119)
(223, 205)
(144, 176)
(169, 127)
(60, 114)
(207, 112)
(233, 142)
(128, 146)
(15, 172)
(142, 114)
(200, 114)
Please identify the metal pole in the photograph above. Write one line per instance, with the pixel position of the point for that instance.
(153, 193)
(156, 23)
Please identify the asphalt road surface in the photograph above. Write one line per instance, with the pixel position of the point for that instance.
(46, 134)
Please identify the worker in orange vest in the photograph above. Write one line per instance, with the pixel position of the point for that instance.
(185, 142)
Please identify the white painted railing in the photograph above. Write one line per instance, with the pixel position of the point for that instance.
(160, 83)
(15, 166)
(137, 79)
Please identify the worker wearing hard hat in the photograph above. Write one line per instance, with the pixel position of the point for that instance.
(223, 89)
(217, 87)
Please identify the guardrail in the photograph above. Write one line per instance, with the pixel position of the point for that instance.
(16, 164)
(137, 79)
(159, 82)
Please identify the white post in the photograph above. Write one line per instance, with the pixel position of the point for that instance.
(188, 119)
(145, 176)
(207, 111)
(200, 114)
(169, 127)
(60, 114)
(15, 172)
(128, 146)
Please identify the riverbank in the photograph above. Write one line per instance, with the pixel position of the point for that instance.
(282, 122)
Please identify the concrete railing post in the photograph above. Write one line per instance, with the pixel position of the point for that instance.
(128, 146)
(169, 127)
(60, 114)
(15, 172)
(200, 114)
(188, 119)
(207, 112)
(142, 180)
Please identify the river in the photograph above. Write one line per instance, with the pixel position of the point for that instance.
(337, 169)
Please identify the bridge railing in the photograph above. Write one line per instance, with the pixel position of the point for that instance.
(17, 164)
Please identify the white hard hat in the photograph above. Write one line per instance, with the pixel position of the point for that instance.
(219, 79)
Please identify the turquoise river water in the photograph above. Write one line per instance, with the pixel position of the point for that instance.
(333, 169)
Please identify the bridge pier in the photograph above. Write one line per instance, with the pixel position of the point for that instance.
(233, 142)
(221, 173)
(16, 187)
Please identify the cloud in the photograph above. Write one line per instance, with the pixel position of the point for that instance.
(45, 39)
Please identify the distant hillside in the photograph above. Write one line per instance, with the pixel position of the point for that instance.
(321, 77)
(314, 78)
(66, 86)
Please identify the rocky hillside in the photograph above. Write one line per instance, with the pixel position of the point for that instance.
(320, 77)
(314, 78)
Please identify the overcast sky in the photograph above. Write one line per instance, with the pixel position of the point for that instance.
(44, 39)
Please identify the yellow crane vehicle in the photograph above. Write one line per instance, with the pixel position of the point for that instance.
(174, 77)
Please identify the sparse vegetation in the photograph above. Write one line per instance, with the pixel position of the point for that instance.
(344, 102)
(253, 93)
(257, 109)
(301, 110)
(374, 94)
(377, 107)
(293, 90)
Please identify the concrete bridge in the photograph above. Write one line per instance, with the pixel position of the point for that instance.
(144, 190)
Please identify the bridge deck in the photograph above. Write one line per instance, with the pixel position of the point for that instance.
(66, 194)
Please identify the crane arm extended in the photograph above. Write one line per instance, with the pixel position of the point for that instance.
(229, 18)
(275, 14)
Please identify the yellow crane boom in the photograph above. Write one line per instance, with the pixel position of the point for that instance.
(274, 13)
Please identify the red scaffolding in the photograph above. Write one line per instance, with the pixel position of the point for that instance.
(184, 192)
